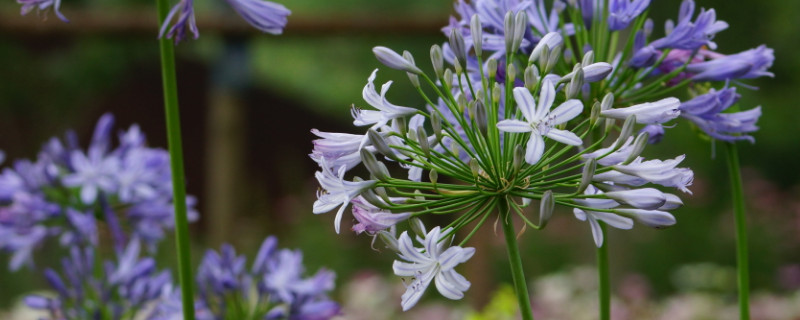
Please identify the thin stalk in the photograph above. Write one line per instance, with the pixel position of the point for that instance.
(602, 276)
(517, 275)
(176, 165)
(741, 231)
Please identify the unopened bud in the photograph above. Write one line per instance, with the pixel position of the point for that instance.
(422, 139)
(638, 146)
(544, 57)
(372, 198)
(417, 226)
(393, 60)
(511, 73)
(448, 78)
(436, 124)
(575, 85)
(461, 102)
(531, 77)
(520, 25)
(546, 207)
(433, 176)
(381, 192)
(413, 77)
(437, 60)
(491, 67)
(380, 144)
(588, 173)
(457, 44)
(626, 131)
(496, 93)
(608, 102)
(457, 66)
(508, 30)
(549, 40)
(388, 239)
(595, 114)
(481, 118)
(477, 34)
(555, 54)
(373, 165)
(588, 58)
(519, 157)
(400, 124)
(474, 167)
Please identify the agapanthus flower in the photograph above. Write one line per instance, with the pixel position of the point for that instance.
(123, 289)
(57, 195)
(705, 111)
(622, 12)
(690, 35)
(266, 16)
(435, 262)
(748, 64)
(42, 5)
(491, 144)
(273, 287)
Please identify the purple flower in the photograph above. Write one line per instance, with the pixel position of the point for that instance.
(705, 111)
(655, 133)
(748, 64)
(184, 11)
(41, 5)
(622, 12)
(690, 35)
(372, 219)
(93, 174)
(266, 16)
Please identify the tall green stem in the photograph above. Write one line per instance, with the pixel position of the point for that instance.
(602, 276)
(176, 165)
(737, 194)
(517, 275)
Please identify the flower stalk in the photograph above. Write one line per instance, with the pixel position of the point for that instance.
(515, 260)
(170, 88)
(743, 269)
(604, 290)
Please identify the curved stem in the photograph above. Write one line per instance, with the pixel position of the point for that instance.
(176, 165)
(741, 231)
(517, 275)
(602, 276)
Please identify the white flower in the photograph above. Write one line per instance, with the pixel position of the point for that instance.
(660, 172)
(650, 218)
(337, 192)
(431, 263)
(645, 198)
(648, 113)
(592, 217)
(386, 110)
(541, 121)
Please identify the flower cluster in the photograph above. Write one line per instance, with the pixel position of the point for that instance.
(121, 289)
(67, 189)
(273, 288)
(520, 116)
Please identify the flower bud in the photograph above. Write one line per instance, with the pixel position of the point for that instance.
(400, 124)
(475, 167)
(626, 131)
(519, 157)
(433, 176)
(372, 198)
(555, 54)
(608, 102)
(596, 71)
(393, 60)
(544, 57)
(595, 114)
(457, 66)
(638, 147)
(374, 166)
(588, 58)
(645, 198)
(414, 78)
(389, 240)
(457, 45)
(575, 85)
(436, 124)
(448, 78)
(549, 40)
(461, 102)
(417, 226)
(481, 118)
(508, 30)
(588, 173)
(531, 77)
(381, 192)
(520, 25)
(422, 139)
(673, 202)
(497, 91)
(546, 206)
(511, 73)
(437, 60)
(380, 144)
(648, 113)
(491, 67)
(651, 218)
(477, 34)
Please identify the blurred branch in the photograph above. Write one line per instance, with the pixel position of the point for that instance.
(142, 22)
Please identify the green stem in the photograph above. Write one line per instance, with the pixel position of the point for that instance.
(602, 276)
(517, 275)
(176, 165)
(741, 231)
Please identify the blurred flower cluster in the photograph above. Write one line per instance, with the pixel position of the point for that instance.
(123, 193)
(68, 191)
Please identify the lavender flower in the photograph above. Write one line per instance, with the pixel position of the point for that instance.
(622, 12)
(41, 5)
(690, 35)
(183, 14)
(748, 64)
(266, 16)
(128, 183)
(705, 111)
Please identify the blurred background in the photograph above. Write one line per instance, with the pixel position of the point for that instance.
(248, 102)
